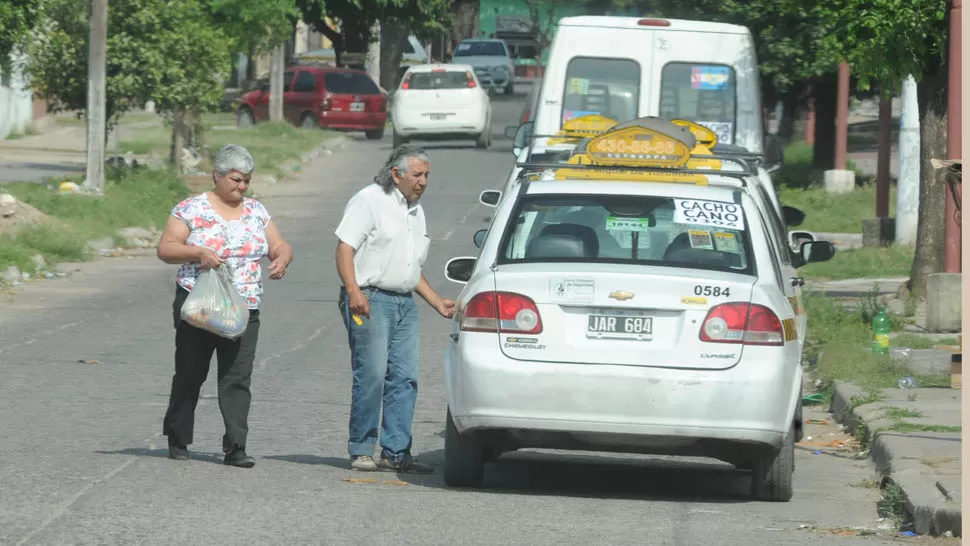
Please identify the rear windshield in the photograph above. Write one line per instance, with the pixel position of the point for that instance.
(350, 83)
(607, 87)
(703, 93)
(659, 231)
(438, 80)
(475, 49)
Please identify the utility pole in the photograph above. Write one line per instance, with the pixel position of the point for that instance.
(951, 256)
(276, 84)
(94, 176)
(907, 187)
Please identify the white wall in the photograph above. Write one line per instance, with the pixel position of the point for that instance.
(16, 102)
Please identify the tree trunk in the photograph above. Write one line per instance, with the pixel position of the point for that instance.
(276, 85)
(465, 13)
(930, 239)
(825, 92)
(394, 38)
(789, 113)
(178, 139)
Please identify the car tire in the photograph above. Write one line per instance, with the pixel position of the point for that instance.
(399, 140)
(245, 118)
(308, 122)
(375, 135)
(771, 477)
(464, 457)
(484, 139)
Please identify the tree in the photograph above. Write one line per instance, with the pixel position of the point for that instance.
(169, 52)
(17, 18)
(884, 41)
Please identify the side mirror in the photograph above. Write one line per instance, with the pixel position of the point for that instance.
(479, 237)
(817, 251)
(797, 238)
(793, 217)
(511, 130)
(522, 137)
(459, 270)
(490, 198)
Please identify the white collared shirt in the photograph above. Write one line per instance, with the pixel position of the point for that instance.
(389, 237)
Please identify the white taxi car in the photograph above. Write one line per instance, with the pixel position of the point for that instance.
(622, 303)
(441, 101)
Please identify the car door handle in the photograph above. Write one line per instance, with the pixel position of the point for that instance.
(454, 337)
(797, 281)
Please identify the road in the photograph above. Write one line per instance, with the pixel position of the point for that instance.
(83, 461)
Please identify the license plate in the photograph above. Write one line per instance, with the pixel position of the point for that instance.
(356, 107)
(437, 117)
(619, 326)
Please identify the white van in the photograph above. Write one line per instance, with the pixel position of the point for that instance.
(628, 67)
(625, 68)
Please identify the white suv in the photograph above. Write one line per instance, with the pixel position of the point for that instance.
(492, 61)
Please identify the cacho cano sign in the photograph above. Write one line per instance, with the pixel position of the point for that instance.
(709, 213)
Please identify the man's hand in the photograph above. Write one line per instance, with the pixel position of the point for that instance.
(209, 259)
(445, 308)
(359, 304)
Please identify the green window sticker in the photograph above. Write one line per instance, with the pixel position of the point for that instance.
(627, 224)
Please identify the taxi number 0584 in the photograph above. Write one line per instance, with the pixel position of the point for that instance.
(715, 291)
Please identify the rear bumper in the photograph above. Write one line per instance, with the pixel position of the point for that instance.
(366, 121)
(409, 124)
(494, 79)
(630, 407)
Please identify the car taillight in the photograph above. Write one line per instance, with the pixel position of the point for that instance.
(470, 78)
(406, 83)
(749, 324)
(653, 23)
(501, 312)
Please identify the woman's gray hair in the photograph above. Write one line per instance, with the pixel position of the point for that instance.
(399, 158)
(233, 157)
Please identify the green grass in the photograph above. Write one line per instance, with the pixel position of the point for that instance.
(891, 261)
(143, 198)
(902, 413)
(830, 213)
(916, 341)
(902, 426)
(272, 144)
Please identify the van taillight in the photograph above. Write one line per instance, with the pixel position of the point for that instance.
(748, 324)
(653, 23)
(503, 312)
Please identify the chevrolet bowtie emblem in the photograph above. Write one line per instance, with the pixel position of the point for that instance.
(621, 295)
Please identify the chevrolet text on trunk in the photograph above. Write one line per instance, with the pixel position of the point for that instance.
(628, 300)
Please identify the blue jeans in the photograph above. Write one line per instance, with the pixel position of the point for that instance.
(384, 359)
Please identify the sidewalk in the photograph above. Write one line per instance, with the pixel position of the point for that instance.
(913, 434)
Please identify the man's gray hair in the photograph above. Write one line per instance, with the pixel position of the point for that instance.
(399, 158)
(233, 157)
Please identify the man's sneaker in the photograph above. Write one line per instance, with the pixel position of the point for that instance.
(407, 466)
(177, 452)
(239, 458)
(363, 463)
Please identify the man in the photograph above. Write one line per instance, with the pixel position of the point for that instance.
(383, 243)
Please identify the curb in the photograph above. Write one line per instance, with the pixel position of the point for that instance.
(292, 167)
(925, 502)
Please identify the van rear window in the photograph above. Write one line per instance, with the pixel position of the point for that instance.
(607, 87)
(703, 93)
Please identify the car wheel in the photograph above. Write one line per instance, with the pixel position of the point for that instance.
(375, 135)
(245, 118)
(484, 139)
(399, 140)
(464, 457)
(771, 477)
(308, 122)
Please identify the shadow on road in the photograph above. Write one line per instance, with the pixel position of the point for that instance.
(162, 453)
(341, 463)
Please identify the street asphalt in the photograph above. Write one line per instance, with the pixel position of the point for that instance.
(83, 460)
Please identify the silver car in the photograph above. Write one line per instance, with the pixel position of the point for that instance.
(491, 60)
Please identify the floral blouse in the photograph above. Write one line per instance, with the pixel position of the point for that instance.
(242, 243)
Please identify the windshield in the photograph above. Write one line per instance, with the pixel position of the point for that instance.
(644, 230)
(607, 87)
(704, 94)
(476, 49)
(438, 80)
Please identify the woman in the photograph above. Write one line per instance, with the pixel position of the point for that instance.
(219, 228)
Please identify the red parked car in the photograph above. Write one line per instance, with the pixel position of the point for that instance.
(334, 98)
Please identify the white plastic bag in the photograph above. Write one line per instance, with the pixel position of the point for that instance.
(215, 305)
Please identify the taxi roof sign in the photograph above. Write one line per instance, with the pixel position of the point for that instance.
(647, 142)
(703, 135)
